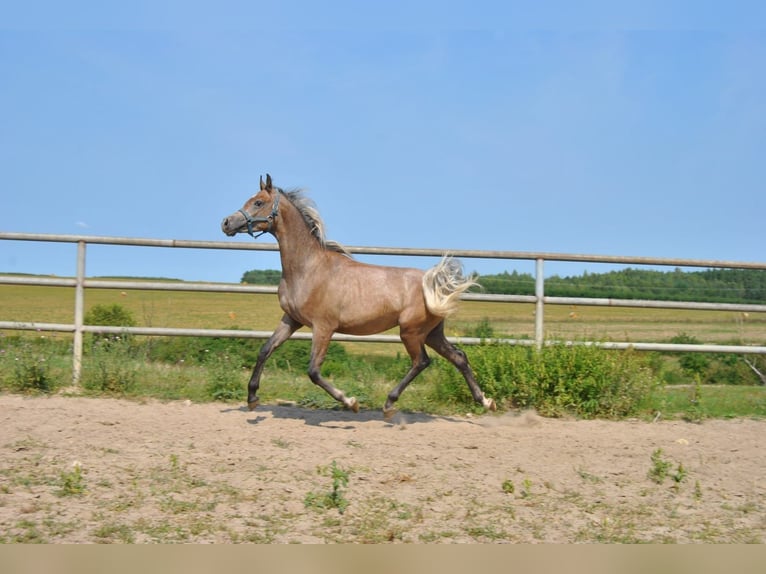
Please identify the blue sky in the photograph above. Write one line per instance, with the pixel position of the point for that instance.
(631, 130)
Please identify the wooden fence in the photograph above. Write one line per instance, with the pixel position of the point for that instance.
(80, 283)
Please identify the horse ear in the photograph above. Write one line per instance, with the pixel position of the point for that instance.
(268, 181)
(262, 185)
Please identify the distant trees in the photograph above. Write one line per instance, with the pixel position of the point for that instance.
(711, 285)
(262, 277)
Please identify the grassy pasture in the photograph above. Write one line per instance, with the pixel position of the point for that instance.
(153, 308)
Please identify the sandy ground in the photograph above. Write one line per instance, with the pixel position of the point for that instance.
(84, 470)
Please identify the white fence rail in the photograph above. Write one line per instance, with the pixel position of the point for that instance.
(80, 283)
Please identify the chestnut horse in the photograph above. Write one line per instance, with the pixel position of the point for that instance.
(323, 288)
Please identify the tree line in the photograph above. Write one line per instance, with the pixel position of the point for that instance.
(711, 285)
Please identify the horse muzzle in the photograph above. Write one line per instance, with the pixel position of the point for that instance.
(233, 224)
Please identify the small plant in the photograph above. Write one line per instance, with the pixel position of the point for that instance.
(697, 491)
(660, 467)
(31, 371)
(112, 316)
(484, 330)
(110, 367)
(526, 490)
(694, 412)
(280, 443)
(336, 498)
(224, 381)
(72, 482)
(679, 476)
(508, 486)
(588, 477)
(693, 364)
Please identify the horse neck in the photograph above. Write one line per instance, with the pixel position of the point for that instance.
(298, 248)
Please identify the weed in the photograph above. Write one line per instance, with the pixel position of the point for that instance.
(31, 370)
(679, 476)
(694, 412)
(30, 533)
(508, 486)
(436, 536)
(526, 490)
(224, 380)
(378, 519)
(588, 477)
(336, 498)
(490, 532)
(660, 467)
(483, 330)
(111, 532)
(697, 491)
(114, 315)
(110, 367)
(72, 482)
(280, 443)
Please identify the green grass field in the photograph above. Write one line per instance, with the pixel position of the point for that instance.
(261, 312)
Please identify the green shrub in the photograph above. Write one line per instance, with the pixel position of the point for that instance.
(31, 368)
(729, 369)
(484, 330)
(692, 364)
(294, 356)
(109, 315)
(110, 366)
(224, 379)
(201, 350)
(707, 368)
(580, 380)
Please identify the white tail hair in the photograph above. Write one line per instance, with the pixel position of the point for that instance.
(443, 284)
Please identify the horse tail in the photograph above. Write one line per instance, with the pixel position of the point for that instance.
(443, 284)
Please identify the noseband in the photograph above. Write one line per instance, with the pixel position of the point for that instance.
(250, 220)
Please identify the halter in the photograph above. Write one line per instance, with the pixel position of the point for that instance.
(250, 220)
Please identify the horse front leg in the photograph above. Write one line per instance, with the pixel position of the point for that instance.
(320, 342)
(284, 331)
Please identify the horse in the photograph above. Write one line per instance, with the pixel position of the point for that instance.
(323, 287)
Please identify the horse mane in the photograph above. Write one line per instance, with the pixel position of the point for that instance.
(308, 210)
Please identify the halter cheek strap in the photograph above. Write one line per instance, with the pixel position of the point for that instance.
(250, 220)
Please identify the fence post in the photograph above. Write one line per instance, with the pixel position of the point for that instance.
(539, 303)
(79, 300)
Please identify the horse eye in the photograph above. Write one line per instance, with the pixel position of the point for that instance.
(257, 203)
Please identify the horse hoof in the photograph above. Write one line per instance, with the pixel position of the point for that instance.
(353, 404)
(489, 404)
(388, 414)
(252, 404)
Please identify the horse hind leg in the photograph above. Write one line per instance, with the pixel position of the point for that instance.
(420, 361)
(319, 346)
(439, 343)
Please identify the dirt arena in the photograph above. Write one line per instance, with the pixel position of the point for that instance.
(82, 470)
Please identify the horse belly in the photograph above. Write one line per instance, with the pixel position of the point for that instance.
(367, 322)
(380, 301)
(345, 316)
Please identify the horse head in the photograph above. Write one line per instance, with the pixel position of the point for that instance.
(258, 213)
